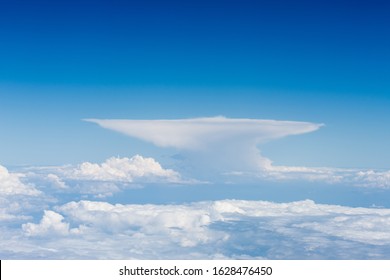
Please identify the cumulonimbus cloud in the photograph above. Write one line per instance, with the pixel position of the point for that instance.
(212, 144)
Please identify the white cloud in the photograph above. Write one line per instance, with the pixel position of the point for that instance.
(219, 145)
(10, 184)
(100, 189)
(102, 179)
(125, 170)
(314, 174)
(182, 224)
(10, 211)
(194, 134)
(350, 177)
(371, 178)
(51, 224)
(56, 181)
(212, 145)
(356, 228)
(205, 230)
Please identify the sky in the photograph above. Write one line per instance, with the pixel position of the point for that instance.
(186, 106)
(323, 62)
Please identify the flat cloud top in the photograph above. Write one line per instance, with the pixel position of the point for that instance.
(198, 133)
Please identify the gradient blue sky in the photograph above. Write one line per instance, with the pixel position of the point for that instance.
(319, 61)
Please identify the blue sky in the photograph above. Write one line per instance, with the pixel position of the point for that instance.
(323, 62)
(312, 62)
(324, 46)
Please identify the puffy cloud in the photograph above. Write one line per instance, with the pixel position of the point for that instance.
(56, 181)
(101, 179)
(116, 174)
(51, 223)
(10, 184)
(182, 224)
(205, 230)
(125, 170)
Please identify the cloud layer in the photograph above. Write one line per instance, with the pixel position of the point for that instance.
(206, 230)
(52, 213)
